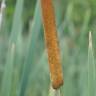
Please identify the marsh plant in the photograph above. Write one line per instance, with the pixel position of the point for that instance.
(54, 54)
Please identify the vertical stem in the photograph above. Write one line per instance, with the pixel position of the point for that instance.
(52, 43)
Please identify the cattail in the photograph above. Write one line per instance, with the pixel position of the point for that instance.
(52, 43)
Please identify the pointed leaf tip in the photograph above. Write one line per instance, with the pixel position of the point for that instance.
(90, 39)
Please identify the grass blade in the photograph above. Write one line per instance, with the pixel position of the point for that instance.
(16, 26)
(91, 69)
(29, 60)
(8, 73)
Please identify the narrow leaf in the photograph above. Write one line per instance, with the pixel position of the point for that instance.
(91, 69)
(8, 73)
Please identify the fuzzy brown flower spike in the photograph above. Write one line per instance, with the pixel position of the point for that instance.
(48, 17)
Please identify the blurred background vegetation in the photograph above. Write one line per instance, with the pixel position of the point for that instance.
(24, 69)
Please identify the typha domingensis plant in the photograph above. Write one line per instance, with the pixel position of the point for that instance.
(50, 34)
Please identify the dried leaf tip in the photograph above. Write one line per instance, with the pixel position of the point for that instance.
(2, 7)
(90, 39)
(13, 47)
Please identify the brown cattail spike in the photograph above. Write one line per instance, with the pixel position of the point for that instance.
(52, 43)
